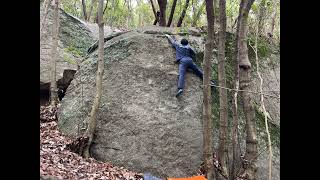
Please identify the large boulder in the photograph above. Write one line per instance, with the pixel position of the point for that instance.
(141, 124)
(74, 39)
(270, 71)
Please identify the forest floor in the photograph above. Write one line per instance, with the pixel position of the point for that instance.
(57, 162)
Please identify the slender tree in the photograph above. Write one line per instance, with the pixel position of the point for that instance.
(93, 2)
(156, 18)
(46, 5)
(162, 7)
(105, 8)
(95, 106)
(140, 21)
(222, 150)
(194, 4)
(248, 170)
(75, 5)
(273, 17)
(235, 23)
(197, 17)
(54, 54)
(84, 9)
(113, 6)
(216, 11)
(236, 151)
(207, 100)
(153, 8)
(262, 12)
(130, 16)
(183, 14)
(172, 12)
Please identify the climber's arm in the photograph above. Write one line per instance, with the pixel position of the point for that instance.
(172, 41)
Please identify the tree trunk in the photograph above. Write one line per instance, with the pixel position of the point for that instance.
(172, 12)
(162, 6)
(207, 121)
(194, 9)
(153, 8)
(273, 23)
(95, 106)
(139, 14)
(75, 6)
(248, 170)
(222, 151)
(183, 14)
(235, 23)
(154, 12)
(130, 15)
(156, 20)
(242, 43)
(111, 19)
(216, 12)
(197, 17)
(46, 5)
(84, 9)
(273, 19)
(262, 11)
(90, 10)
(54, 54)
(105, 8)
(236, 151)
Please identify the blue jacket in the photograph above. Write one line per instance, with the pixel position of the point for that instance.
(181, 50)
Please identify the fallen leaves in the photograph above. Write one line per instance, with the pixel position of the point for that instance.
(58, 162)
(78, 145)
(48, 113)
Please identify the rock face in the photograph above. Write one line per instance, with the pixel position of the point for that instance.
(74, 39)
(270, 72)
(141, 125)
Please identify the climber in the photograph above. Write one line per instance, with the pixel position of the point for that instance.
(184, 56)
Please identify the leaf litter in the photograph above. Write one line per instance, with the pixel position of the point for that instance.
(58, 162)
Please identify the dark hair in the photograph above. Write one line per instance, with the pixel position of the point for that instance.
(184, 42)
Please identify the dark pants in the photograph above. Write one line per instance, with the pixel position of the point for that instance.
(187, 63)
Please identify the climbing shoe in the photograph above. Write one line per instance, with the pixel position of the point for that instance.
(213, 86)
(212, 83)
(180, 91)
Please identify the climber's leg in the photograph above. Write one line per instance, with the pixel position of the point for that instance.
(182, 72)
(199, 73)
(196, 70)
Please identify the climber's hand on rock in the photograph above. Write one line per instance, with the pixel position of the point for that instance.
(167, 35)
